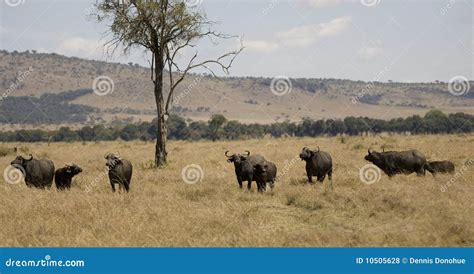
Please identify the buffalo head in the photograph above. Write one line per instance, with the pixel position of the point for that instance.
(21, 161)
(112, 160)
(372, 156)
(237, 158)
(307, 154)
(261, 168)
(73, 169)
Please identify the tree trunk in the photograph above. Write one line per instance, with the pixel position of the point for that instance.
(162, 129)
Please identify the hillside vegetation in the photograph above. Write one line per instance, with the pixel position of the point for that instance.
(163, 210)
(247, 99)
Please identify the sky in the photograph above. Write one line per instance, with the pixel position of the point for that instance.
(368, 40)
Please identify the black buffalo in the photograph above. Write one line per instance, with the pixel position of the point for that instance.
(120, 171)
(398, 162)
(440, 167)
(318, 163)
(244, 166)
(38, 173)
(265, 172)
(63, 176)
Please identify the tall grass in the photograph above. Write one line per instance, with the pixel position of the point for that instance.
(163, 210)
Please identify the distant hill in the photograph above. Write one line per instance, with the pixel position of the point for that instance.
(247, 99)
(47, 109)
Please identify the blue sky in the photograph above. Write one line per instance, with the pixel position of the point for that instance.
(408, 41)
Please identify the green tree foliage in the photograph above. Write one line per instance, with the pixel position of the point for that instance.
(215, 124)
(434, 122)
(164, 29)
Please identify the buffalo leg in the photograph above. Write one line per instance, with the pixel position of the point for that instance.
(249, 184)
(423, 170)
(330, 178)
(126, 186)
(310, 179)
(113, 186)
(239, 180)
(260, 187)
(321, 179)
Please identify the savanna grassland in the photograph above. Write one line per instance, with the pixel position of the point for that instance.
(163, 210)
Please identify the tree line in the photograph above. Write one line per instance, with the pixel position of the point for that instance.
(219, 128)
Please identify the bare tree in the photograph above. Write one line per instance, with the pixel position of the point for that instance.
(164, 28)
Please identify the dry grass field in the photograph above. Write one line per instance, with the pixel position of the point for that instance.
(163, 210)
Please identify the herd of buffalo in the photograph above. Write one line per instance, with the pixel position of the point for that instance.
(39, 173)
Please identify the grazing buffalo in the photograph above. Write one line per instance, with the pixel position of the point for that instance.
(244, 166)
(265, 172)
(318, 163)
(440, 167)
(120, 171)
(394, 162)
(63, 176)
(38, 173)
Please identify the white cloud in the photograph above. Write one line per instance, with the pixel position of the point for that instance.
(306, 35)
(82, 47)
(334, 27)
(260, 45)
(43, 50)
(322, 3)
(300, 37)
(371, 51)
